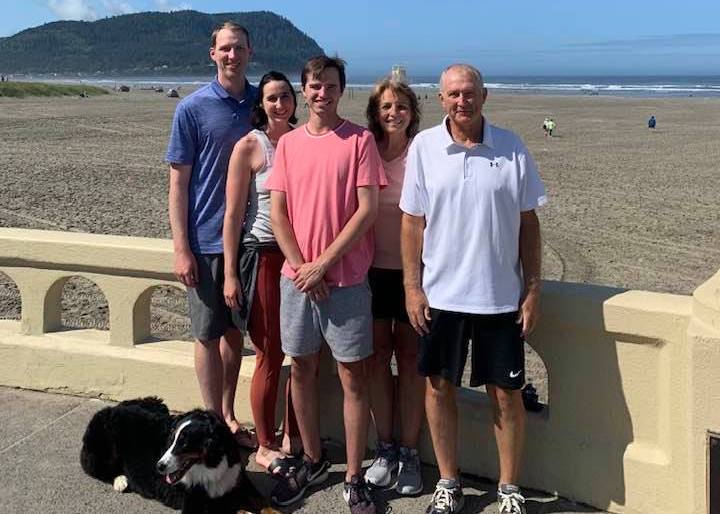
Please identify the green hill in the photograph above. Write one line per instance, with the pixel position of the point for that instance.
(151, 42)
(23, 89)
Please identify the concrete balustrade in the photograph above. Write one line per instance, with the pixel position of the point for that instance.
(125, 269)
(633, 376)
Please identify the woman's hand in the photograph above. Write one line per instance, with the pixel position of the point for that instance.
(232, 290)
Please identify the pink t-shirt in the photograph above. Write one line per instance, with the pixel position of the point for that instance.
(320, 176)
(387, 225)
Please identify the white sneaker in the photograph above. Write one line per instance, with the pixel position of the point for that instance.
(511, 501)
(446, 500)
(380, 472)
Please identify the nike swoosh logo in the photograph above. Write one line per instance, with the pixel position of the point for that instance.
(515, 374)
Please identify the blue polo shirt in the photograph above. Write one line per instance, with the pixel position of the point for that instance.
(206, 126)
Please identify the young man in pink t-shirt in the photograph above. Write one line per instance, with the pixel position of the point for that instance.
(324, 200)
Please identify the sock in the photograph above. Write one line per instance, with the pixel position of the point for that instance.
(508, 488)
(449, 483)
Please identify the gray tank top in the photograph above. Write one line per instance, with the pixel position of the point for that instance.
(257, 224)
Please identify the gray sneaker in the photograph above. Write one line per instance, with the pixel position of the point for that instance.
(510, 501)
(446, 500)
(409, 479)
(380, 472)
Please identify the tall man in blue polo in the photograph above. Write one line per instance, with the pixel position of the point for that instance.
(206, 126)
(471, 254)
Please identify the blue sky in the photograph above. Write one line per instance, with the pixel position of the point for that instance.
(501, 37)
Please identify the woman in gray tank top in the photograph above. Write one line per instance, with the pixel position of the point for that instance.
(253, 261)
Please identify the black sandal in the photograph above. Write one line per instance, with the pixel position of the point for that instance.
(245, 438)
(282, 467)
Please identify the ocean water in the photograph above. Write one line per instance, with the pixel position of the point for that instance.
(642, 86)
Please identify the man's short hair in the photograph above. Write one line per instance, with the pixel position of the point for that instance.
(315, 66)
(467, 68)
(230, 25)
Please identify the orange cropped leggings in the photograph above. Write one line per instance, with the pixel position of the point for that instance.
(264, 329)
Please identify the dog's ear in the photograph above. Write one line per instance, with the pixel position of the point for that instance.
(213, 449)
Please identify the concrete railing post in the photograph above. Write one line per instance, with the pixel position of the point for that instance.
(129, 305)
(704, 345)
(40, 293)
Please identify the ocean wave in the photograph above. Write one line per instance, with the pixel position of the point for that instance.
(612, 86)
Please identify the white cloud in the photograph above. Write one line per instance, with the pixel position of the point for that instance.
(73, 10)
(168, 6)
(115, 7)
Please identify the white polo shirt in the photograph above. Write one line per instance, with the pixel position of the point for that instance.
(471, 199)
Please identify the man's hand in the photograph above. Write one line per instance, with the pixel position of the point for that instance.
(529, 312)
(309, 275)
(186, 269)
(418, 309)
(232, 290)
(319, 293)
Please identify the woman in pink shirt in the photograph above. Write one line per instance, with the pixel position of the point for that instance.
(393, 116)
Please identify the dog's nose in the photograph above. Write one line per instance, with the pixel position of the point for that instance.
(161, 467)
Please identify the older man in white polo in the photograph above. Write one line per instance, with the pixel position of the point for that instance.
(471, 261)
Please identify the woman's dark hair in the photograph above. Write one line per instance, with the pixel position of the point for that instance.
(373, 107)
(258, 117)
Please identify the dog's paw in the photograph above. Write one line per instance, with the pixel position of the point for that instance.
(120, 483)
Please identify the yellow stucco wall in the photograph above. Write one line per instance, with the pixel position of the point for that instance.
(633, 376)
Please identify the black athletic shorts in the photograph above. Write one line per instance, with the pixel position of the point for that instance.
(498, 354)
(388, 294)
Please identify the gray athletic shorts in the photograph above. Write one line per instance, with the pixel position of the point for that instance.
(209, 315)
(343, 320)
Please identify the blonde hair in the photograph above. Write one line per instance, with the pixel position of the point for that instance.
(230, 25)
(373, 108)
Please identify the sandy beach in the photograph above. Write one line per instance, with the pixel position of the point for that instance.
(628, 207)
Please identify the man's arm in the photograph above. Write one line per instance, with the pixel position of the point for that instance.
(185, 264)
(531, 261)
(411, 245)
(288, 244)
(283, 230)
(310, 274)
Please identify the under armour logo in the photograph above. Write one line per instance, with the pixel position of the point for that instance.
(495, 164)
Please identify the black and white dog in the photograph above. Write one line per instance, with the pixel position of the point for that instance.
(189, 462)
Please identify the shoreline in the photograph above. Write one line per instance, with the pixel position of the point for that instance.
(624, 87)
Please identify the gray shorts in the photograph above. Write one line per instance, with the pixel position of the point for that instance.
(209, 315)
(343, 320)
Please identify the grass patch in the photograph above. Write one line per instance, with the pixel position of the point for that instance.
(22, 89)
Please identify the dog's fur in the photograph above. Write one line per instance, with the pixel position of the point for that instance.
(189, 462)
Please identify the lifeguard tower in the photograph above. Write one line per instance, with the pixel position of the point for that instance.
(398, 73)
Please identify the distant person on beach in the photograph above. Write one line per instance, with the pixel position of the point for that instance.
(545, 126)
(393, 116)
(473, 186)
(550, 127)
(652, 122)
(324, 200)
(252, 265)
(206, 126)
